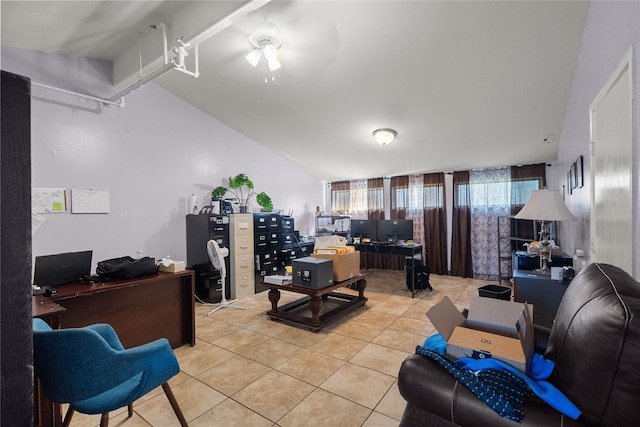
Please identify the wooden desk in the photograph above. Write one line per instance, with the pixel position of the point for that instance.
(324, 304)
(386, 249)
(45, 412)
(140, 310)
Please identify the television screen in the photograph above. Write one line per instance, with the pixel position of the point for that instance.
(392, 230)
(363, 228)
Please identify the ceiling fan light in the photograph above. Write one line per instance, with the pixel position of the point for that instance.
(384, 136)
(273, 64)
(253, 57)
(270, 52)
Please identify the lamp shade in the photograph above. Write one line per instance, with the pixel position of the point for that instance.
(545, 205)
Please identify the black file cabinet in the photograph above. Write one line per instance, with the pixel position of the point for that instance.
(200, 229)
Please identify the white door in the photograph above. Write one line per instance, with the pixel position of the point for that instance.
(612, 170)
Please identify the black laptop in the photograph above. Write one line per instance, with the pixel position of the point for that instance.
(58, 269)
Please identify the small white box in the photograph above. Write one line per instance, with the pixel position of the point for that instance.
(278, 279)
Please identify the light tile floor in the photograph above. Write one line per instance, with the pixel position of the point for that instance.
(247, 370)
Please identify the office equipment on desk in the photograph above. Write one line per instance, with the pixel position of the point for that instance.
(364, 229)
(59, 269)
(392, 230)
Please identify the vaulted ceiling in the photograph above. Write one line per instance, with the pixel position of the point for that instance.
(466, 84)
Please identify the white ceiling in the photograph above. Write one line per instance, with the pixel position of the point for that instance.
(466, 84)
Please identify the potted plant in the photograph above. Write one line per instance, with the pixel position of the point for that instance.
(242, 188)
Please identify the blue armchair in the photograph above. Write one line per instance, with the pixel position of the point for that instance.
(89, 369)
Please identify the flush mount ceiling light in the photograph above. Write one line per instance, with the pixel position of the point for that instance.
(265, 42)
(384, 136)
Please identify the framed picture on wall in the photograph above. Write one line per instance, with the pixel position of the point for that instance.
(579, 172)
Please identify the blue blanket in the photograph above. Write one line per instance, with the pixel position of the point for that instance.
(499, 384)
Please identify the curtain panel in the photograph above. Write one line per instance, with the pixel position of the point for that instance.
(435, 223)
(358, 206)
(375, 198)
(490, 195)
(461, 261)
(524, 179)
(340, 197)
(399, 196)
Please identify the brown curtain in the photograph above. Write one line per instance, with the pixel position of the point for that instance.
(399, 196)
(524, 179)
(461, 264)
(375, 198)
(435, 223)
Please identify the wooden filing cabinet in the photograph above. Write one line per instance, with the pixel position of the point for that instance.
(241, 255)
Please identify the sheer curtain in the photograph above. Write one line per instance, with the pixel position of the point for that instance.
(358, 204)
(340, 197)
(490, 194)
(435, 223)
(415, 208)
(461, 261)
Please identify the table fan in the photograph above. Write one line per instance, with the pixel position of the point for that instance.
(216, 256)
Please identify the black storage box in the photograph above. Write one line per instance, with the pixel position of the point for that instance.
(495, 291)
(420, 274)
(310, 272)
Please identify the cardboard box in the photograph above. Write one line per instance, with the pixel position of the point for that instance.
(493, 328)
(173, 267)
(312, 272)
(345, 265)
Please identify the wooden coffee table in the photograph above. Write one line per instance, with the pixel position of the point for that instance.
(319, 306)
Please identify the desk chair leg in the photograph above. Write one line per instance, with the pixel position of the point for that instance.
(130, 410)
(68, 416)
(104, 420)
(174, 404)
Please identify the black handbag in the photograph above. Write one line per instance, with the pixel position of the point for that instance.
(126, 268)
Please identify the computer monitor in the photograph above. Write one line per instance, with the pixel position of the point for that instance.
(363, 228)
(392, 230)
(58, 269)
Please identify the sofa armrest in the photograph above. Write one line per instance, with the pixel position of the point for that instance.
(427, 386)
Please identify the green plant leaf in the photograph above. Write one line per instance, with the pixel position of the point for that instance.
(218, 192)
(264, 201)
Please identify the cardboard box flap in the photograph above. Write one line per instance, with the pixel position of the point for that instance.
(525, 329)
(445, 316)
(494, 315)
(333, 240)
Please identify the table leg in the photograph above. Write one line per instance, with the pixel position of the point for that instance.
(274, 297)
(314, 304)
(362, 285)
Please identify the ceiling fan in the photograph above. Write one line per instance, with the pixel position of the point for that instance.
(216, 257)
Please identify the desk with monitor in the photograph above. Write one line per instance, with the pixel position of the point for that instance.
(403, 252)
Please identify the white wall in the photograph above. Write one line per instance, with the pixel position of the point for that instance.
(612, 27)
(151, 155)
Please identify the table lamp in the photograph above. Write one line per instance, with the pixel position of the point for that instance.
(545, 206)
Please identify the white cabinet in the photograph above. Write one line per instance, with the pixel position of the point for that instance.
(241, 255)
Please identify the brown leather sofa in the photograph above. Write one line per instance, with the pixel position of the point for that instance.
(595, 344)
